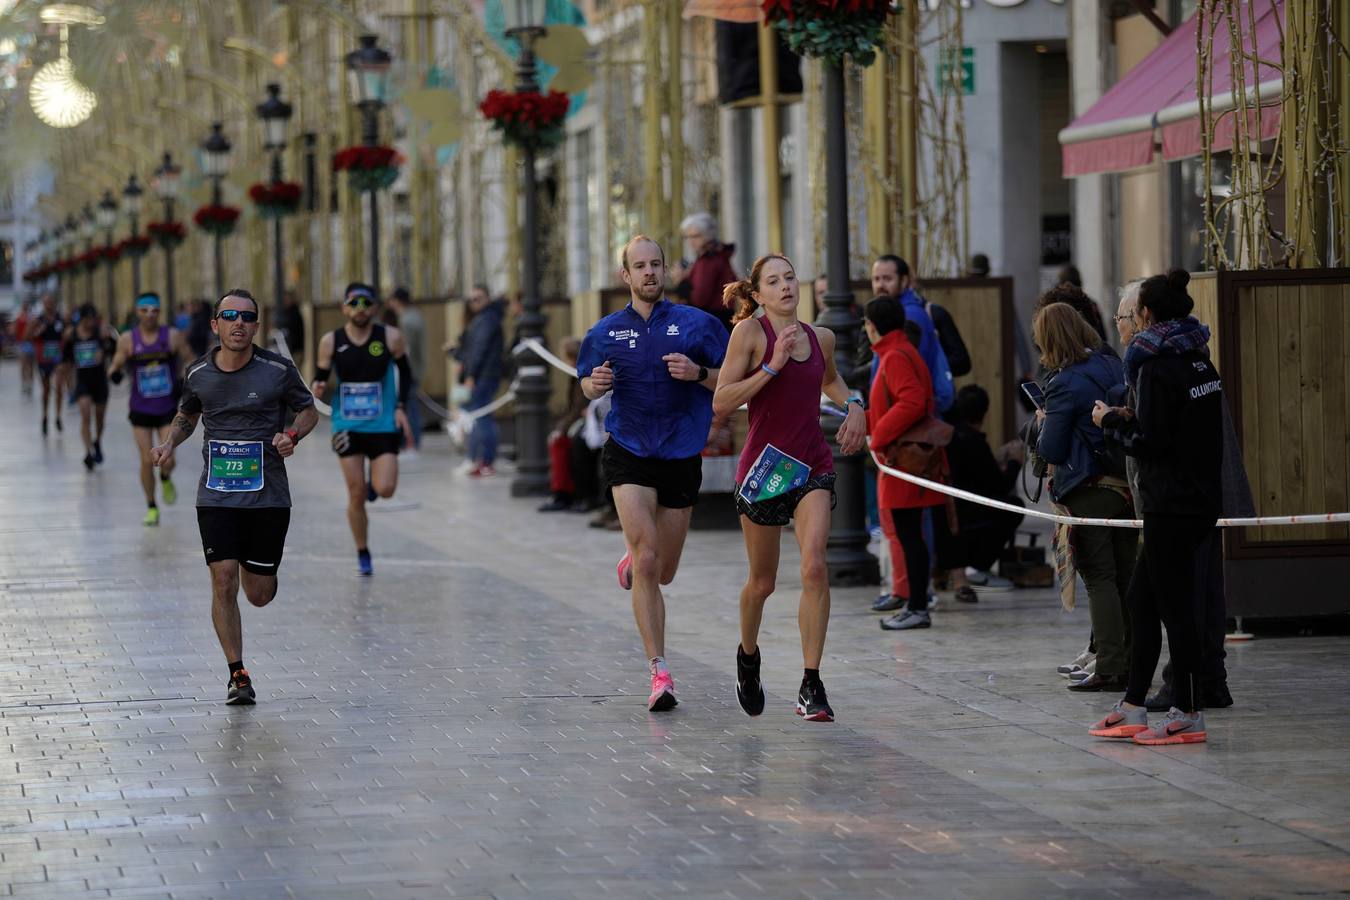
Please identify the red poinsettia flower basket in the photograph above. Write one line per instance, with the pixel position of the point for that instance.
(89, 261)
(167, 234)
(368, 168)
(216, 219)
(527, 120)
(276, 199)
(135, 247)
(109, 253)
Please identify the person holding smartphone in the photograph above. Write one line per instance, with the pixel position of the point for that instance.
(1082, 481)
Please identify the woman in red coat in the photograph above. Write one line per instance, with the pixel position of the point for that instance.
(901, 393)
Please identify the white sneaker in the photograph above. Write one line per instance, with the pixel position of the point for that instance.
(409, 455)
(1079, 663)
(987, 581)
(1079, 674)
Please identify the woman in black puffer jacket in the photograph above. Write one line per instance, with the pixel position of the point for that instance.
(1176, 434)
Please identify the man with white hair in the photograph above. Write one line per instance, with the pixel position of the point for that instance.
(700, 283)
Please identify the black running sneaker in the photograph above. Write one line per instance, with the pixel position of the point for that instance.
(98, 453)
(241, 691)
(749, 689)
(812, 704)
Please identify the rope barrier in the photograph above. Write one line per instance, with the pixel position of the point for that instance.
(543, 353)
(1313, 519)
(323, 408)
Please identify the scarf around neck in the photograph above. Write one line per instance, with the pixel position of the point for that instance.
(1174, 337)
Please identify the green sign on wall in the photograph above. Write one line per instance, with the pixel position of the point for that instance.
(957, 65)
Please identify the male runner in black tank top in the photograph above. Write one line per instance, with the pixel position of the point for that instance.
(373, 380)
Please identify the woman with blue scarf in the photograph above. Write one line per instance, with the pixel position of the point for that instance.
(1176, 433)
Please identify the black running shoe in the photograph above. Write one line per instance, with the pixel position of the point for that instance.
(98, 453)
(749, 689)
(89, 461)
(241, 691)
(812, 704)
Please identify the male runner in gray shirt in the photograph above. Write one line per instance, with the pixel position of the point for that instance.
(243, 499)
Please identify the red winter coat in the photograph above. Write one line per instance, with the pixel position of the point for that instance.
(709, 274)
(900, 395)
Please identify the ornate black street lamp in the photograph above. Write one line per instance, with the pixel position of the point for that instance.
(131, 199)
(88, 230)
(525, 21)
(276, 114)
(846, 556)
(368, 67)
(166, 184)
(107, 220)
(216, 165)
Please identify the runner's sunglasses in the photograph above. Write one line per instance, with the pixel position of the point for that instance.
(229, 315)
(360, 302)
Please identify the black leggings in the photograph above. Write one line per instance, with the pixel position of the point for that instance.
(909, 529)
(1167, 573)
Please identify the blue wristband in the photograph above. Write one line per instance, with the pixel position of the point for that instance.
(765, 367)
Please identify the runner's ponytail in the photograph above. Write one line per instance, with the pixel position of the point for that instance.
(740, 295)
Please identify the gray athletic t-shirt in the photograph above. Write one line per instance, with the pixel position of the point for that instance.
(241, 412)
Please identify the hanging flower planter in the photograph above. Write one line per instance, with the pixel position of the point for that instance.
(110, 253)
(275, 200)
(529, 120)
(135, 247)
(217, 220)
(167, 234)
(368, 168)
(831, 29)
(89, 261)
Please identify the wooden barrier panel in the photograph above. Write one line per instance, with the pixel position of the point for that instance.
(1284, 336)
(982, 309)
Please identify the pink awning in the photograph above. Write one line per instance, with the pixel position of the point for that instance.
(726, 10)
(1160, 93)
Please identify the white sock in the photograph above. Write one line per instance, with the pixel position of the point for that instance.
(657, 664)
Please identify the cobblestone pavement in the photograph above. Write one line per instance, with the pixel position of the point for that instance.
(471, 722)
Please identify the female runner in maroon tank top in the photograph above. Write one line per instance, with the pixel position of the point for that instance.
(780, 367)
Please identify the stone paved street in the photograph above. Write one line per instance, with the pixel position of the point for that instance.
(471, 723)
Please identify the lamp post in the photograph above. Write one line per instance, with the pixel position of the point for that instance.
(275, 114)
(368, 66)
(166, 188)
(216, 165)
(88, 229)
(131, 199)
(525, 19)
(107, 220)
(846, 556)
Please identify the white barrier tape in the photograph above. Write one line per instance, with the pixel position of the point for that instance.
(1313, 519)
(542, 352)
(323, 408)
(436, 409)
(491, 407)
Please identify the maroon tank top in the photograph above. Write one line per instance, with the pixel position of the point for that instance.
(786, 411)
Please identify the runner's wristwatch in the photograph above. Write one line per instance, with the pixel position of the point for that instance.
(702, 374)
(293, 435)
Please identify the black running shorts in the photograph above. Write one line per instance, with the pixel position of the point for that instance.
(676, 480)
(371, 444)
(149, 420)
(94, 386)
(779, 511)
(254, 537)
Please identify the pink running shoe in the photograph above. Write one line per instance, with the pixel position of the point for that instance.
(663, 693)
(625, 570)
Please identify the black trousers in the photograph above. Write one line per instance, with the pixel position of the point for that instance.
(1168, 575)
(909, 529)
(585, 466)
(1211, 615)
(982, 534)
